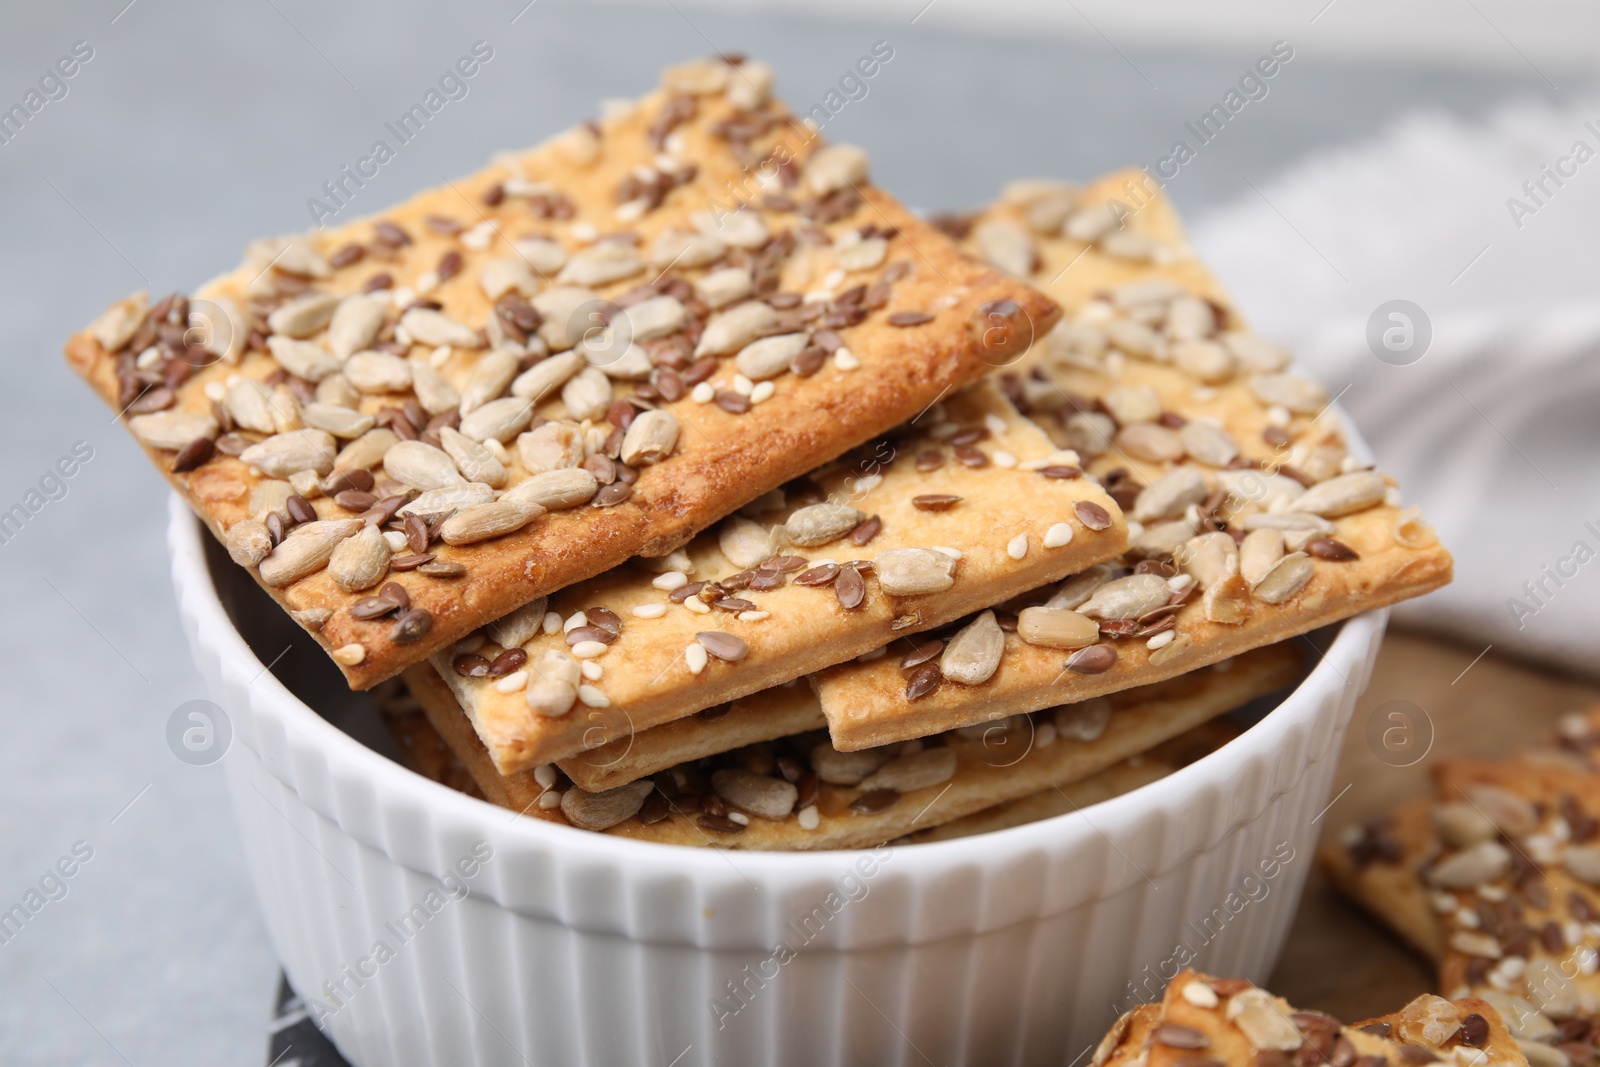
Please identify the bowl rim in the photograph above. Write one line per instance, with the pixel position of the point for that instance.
(214, 635)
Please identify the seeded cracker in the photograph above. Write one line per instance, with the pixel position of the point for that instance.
(801, 793)
(527, 376)
(1227, 1022)
(1496, 880)
(1249, 522)
(970, 505)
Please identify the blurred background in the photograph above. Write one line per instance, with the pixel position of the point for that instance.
(1440, 154)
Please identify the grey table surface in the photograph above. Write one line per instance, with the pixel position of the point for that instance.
(196, 127)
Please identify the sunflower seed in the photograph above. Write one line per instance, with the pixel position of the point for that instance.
(1514, 814)
(1170, 496)
(914, 571)
(655, 317)
(248, 542)
(1344, 495)
(1208, 443)
(475, 462)
(366, 451)
(303, 359)
(845, 768)
(973, 654)
(743, 542)
(171, 430)
(1006, 245)
(568, 312)
(917, 770)
(1083, 721)
(1127, 598)
(1090, 433)
(1075, 591)
(1206, 360)
(546, 376)
(1263, 1024)
(360, 561)
(741, 229)
(1150, 442)
(1056, 628)
(339, 421)
(722, 287)
(731, 330)
(1227, 600)
(249, 403)
(355, 324)
(1259, 552)
(305, 550)
(1461, 825)
(428, 327)
(688, 250)
(587, 394)
(118, 323)
(601, 263)
(770, 356)
(650, 439)
(833, 168)
(498, 420)
(555, 490)
(291, 256)
(759, 794)
(603, 810)
(862, 255)
(1488, 861)
(1287, 577)
(435, 504)
(487, 380)
(421, 466)
(286, 453)
(378, 372)
(510, 274)
(818, 524)
(1300, 395)
(1208, 558)
(1256, 353)
(483, 521)
(553, 446)
(1269, 492)
(304, 315)
(723, 646)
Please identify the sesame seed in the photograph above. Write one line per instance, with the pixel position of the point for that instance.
(1278, 415)
(590, 697)
(395, 540)
(589, 649)
(439, 357)
(649, 611)
(810, 818)
(1045, 735)
(511, 682)
(350, 655)
(702, 393)
(1179, 582)
(1058, 535)
(996, 425)
(833, 279)
(551, 624)
(742, 385)
(739, 817)
(762, 391)
(592, 670)
(584, 231)
(695, 655)
(575, 620)
(1004, 459)
(1017, 547)
(669, 580)
(1161, 640)
(698, 606)
(215, 391)
(545, 775)
(845, 359)
(754, 616)
(953, 553)
(550, 798)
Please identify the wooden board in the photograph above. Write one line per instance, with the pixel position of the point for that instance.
(1336, 959)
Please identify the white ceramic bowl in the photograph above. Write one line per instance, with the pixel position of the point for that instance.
(567, 947)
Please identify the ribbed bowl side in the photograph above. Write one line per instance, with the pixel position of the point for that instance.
(1010, 948)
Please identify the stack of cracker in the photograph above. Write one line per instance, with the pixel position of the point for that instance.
(1202, 1021)
(705, 495)
(1496, 878)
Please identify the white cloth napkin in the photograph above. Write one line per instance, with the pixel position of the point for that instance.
(1495, 431)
